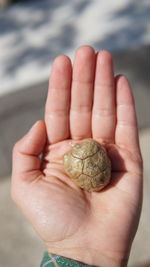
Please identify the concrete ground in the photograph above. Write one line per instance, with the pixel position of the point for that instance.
(20, 245)
(140, 252)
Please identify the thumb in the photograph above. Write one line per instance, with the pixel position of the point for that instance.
(26, 160)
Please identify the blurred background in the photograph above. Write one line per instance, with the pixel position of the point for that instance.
(32, 33)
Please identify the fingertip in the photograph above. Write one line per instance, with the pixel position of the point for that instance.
(124, 90)
(38, 124)
(36, 137)
(26, 160)
(37, 128)
(121, 79)
(85, 51)
(34, 141)
(104, 56)
(84, 64)
(62, 61)
(118, 77)
(60, 77)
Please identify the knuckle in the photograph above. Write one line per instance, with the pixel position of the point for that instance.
(80, 136)
(58, 113)
(81, 109)
(16, 147)
(104, 85)
(103, 111)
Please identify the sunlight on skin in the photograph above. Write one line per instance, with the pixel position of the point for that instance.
(87, 101)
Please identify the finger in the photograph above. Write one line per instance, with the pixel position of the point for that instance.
(58, 100)
(82, 93)
(103, 115)
(126, 130)
(26, 161)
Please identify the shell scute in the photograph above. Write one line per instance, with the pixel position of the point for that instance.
(85, 149)
(73, 166)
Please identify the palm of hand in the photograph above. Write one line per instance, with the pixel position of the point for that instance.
(70, 212)
(66, 216)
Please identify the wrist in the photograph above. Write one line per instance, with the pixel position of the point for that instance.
(91, 257)
(51, 260)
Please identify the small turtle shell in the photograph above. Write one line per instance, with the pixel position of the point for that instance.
(88, 165)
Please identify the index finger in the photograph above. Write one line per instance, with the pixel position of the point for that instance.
(58, 100)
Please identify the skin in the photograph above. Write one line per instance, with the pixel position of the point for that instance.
(84, 100)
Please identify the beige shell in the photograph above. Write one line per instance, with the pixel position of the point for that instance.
(88, 165)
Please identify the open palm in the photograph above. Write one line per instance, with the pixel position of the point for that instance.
(96, 228)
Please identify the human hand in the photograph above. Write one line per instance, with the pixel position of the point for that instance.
(95, 228)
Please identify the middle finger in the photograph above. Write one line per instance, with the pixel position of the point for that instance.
(82, 93)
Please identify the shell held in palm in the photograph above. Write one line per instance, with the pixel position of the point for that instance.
(88, 165)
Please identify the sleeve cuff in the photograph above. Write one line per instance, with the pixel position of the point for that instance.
(56, 260)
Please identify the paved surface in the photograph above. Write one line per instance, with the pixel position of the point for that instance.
(140, 252)
(33, 32)
(20, 246)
